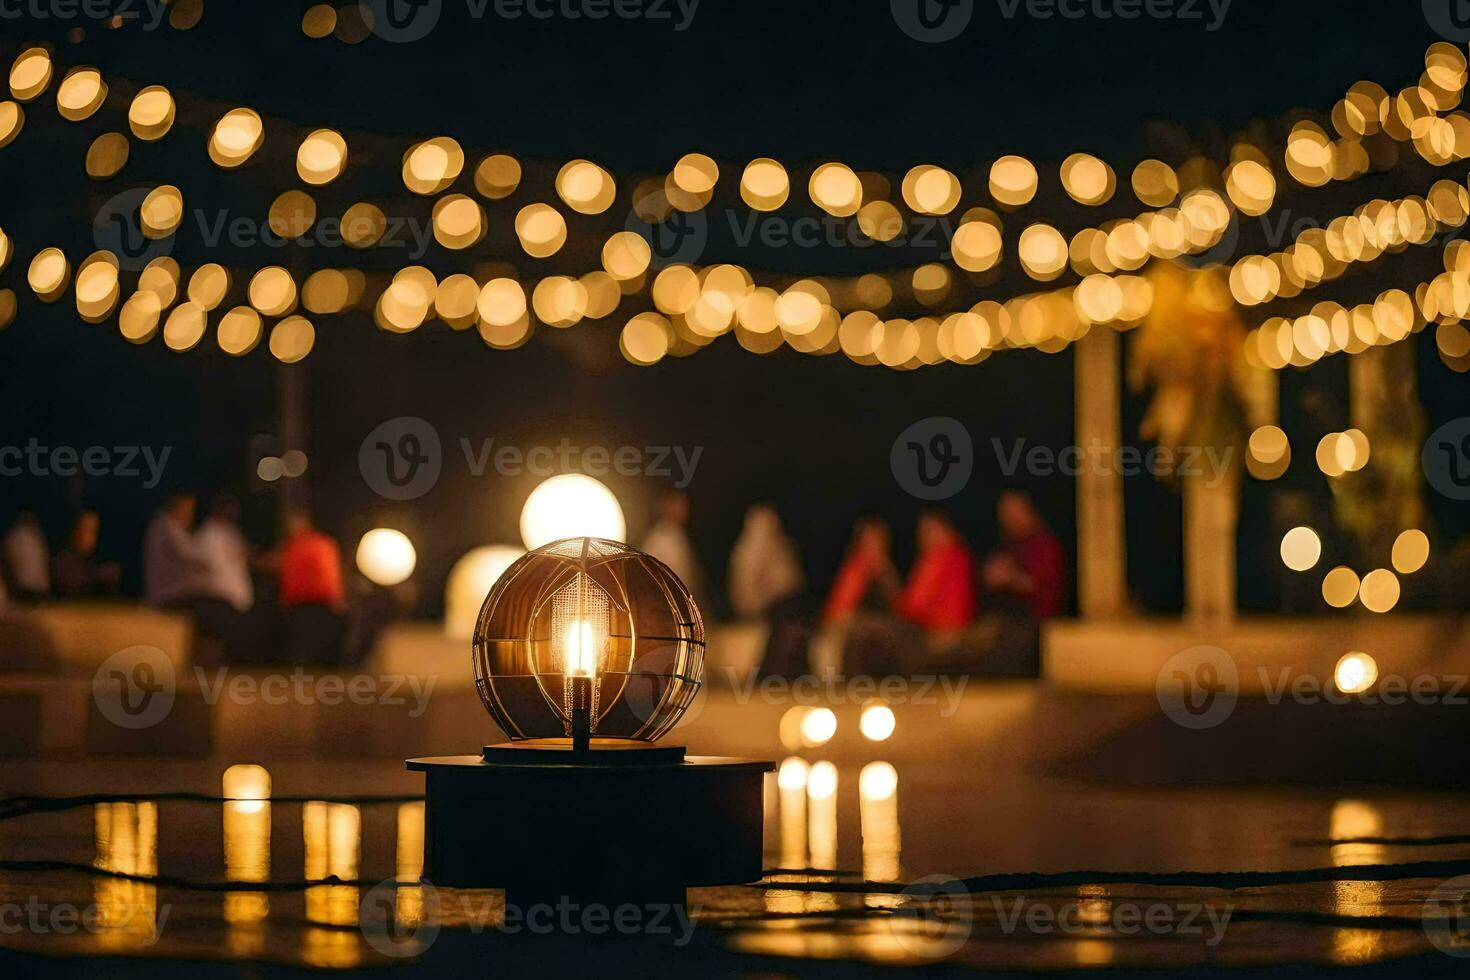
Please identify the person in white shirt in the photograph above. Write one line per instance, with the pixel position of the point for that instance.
(668, 541)
(226, 556)
(173, 569)
(764, 568)
(27, 558)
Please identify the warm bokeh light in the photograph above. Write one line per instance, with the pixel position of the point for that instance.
(292, 339)
(245, 785)
(80, 93)
(1012, 181)
(568, 506)
(1340, 587)
(818, 726)
(1410, 551)
(1301, 549)
(764, 184)
(877, 781)
(151, 114)
(541, 229)
(469, 582)
(1355, 673)
(821, 782)
(236, 137)
(386, 556)
(877, 722)
(1379, 592)
(107, 155)
(321, 157)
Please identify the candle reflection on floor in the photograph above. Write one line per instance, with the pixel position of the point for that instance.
(127, 843)
(408, 899)
(247, 837)
(821, 794)
(878, 808)
(1356, 818)
(333, 837)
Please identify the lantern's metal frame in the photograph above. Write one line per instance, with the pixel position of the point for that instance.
(589, 818)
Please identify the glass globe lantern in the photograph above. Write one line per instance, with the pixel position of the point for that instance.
(587, 644)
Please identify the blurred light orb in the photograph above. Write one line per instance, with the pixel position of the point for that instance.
(1088, 180)
(321, 157)
(248, 787)
(469, 582)
(151, 114)
(585, 187)
(877, 781)
(80, 93)
(1300, 548)
(385, 556)
(821, 782)
(541, 229)
(1379, 592)
(1410, 551)
(571, 505)
(1012, 181)
(793, 773)
(877, 722)
(764, 185)
(30, 73)
(818, 726)
(836, 189)
(1340, 587)
(1355, 673)
(270, 469)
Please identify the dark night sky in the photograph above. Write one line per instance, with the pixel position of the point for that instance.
(801, 80)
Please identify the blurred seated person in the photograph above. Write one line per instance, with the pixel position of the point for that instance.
(767, 583)
(1030, 564)
(172, 567)
(226, 593)
(312, 598)
(940, 594)
(875, 642)
(27, 558)
(1025, 582)
(226, 555)
(764, 568)
(76, 570)
(668, 541)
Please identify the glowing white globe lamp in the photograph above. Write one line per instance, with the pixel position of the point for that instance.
(571, 506)
(386, 557)
(470, 580)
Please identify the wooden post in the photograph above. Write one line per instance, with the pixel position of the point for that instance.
(1102, 576)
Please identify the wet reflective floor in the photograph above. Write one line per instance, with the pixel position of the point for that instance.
(871, 866)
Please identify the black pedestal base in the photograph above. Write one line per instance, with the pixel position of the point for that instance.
(592, 834)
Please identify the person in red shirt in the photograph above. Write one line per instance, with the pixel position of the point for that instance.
(1030, 565)
(940, 594)
(312, 597)
(867, 580)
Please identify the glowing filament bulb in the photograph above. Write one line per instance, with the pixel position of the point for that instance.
(581, 648)
(580, 621)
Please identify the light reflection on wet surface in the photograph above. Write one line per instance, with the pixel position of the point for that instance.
(829, 827)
